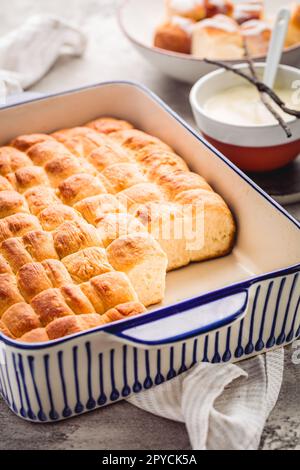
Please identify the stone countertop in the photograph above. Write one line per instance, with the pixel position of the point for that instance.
(109, 56)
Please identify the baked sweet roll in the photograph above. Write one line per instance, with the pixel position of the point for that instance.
(34, 278)
(218, 7)
(175, 35)
(86, 264)
(144, 262)
(193, 9)
(210, 222)
(108, 290)
(108, 154)
(11, 202)
(92, 208)
(39, 198)
(24, 142)
(217, 38)
(44, 151)
(11, 160)
(17, 225)
(107, 125)
(257, 36)
(80, 186)
(293, 33)
(134, 139)
(28, 177)
(248, 10)
(55, 215)
(139, 194)
(113, 226)
(165, 222)
(74, 236)
(122, 176)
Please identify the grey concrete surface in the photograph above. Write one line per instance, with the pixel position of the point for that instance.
(123, 426)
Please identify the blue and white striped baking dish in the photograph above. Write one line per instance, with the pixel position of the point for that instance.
(219, 311)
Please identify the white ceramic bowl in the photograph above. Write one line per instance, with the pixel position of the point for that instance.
(252, 148)
(138, 20)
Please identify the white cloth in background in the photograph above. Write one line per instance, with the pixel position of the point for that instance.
(27, 53)
(224, 407)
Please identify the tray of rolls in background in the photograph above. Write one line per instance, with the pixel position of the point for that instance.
(131, 250)
(177, 35)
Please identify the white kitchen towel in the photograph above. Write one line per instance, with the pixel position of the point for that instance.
(224, 407)
(27, 53)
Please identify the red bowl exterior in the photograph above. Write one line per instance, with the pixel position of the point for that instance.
(258, 159)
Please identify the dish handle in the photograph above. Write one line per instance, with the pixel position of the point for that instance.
(183, 321)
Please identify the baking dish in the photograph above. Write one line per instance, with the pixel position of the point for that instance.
(218, 311)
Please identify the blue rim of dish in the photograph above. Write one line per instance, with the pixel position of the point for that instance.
(116, 329)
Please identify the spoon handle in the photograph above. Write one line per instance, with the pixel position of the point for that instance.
(276, 46)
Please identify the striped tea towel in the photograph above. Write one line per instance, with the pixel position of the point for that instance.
(224, 407)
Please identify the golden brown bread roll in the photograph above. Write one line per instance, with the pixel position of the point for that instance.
(94, 207)
(123, 175)
(61, 167)
(113, 226)
(79, 187)
(217, 38)
(134, 139)
(71, 237)
(76, 300)
(32, 279)
(248, 10)
(80, 146)
(108, 154)
(11, 160)
(218, 7)
(39, 198)
(145, 263)
(165, 222)
(257, 35)
(17, 225)
(5, 184)
(178, 181)
(11, 202)
(39, 335)
(20, 319)
(49, 305)
(156, 161)
(64, 135)
(74, 324)
(43, 152)
(39, 245)
(57, 273)
(86, 264)
(15, 253)
(9, 292)
(122, 311)
(55, 215)
(175, 35)
(24, 142)
(29, 177)
(108, 290)
(218, 226)
(4, 266)
(107, 125)
(4, 330)
(140, 194)
(194, 9)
